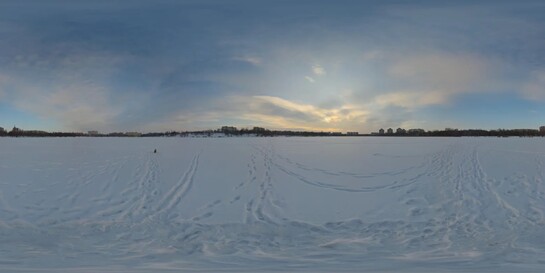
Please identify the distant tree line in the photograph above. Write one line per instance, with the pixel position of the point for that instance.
(16, 132)
(259, 131)
(496, 133)
(161, 134)
(471, 133)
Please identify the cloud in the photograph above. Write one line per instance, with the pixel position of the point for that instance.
(435, 78)
(318, 70)
(289, 105)
(282, 122)
(77, 107)
(372, 55)
(412, 99)
(3, 82)
(311, 80)
(73, 89)
(269, 111)
(535, 89)
(136, 72)
(302, 114)
(402, 85)
(247, 59)
(451, 71)
(406, 83)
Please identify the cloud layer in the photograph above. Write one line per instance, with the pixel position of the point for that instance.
(144, 66)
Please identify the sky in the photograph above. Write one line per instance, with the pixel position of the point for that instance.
(299, 64)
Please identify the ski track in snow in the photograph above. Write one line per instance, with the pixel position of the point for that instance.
(466, 204)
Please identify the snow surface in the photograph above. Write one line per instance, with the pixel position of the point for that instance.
(272, 204)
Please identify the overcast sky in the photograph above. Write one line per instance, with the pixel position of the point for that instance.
(308, 65)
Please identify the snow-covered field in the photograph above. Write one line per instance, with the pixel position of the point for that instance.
(272, 204)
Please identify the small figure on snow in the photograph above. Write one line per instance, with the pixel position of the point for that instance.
(155, 151)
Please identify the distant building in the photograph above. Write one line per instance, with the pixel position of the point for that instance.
(381, 131)
(228, 129)
(352, 133)
(542, 130)
(16, 131)
(258, 129)
(390, 131)
(92, 133)
(2, 131)
(400, 131)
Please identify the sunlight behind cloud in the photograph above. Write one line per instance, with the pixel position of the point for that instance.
(336, 117)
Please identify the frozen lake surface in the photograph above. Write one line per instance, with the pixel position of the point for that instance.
(272, 204)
